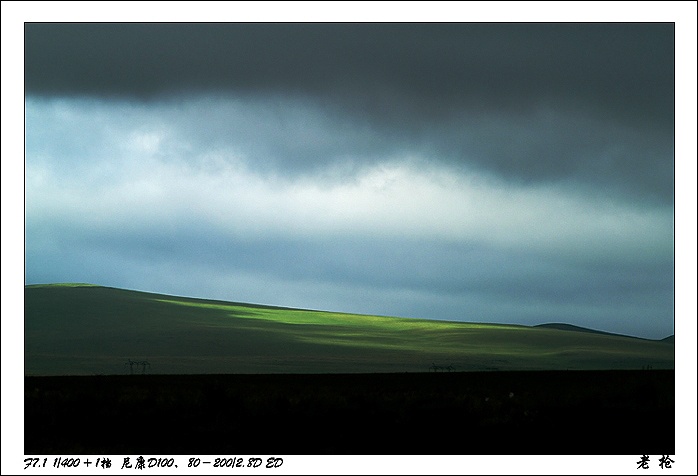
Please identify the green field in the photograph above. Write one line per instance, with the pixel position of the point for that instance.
(81, 329)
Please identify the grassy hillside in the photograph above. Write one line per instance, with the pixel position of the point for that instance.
(79, 329)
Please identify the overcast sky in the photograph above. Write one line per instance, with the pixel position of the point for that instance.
(513, 173)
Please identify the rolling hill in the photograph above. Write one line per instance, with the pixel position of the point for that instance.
(570, 327)
(81, 329)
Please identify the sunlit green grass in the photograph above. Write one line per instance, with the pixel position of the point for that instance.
(369, 331)
(323, 318)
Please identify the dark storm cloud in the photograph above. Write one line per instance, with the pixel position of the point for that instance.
(627, 68)
(592, 103)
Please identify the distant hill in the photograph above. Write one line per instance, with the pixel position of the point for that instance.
(570, 327)
(78, 329)
(669, 339)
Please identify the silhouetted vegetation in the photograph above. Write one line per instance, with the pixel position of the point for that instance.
(528, 412)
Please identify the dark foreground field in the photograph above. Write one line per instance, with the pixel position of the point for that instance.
(547, 412)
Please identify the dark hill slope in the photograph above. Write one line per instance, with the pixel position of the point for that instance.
(570, 327)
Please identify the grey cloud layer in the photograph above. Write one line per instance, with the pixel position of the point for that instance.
(592, 103)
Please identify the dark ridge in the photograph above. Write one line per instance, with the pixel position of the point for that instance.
(162, 295)
(668, 339)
